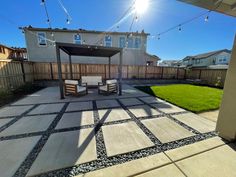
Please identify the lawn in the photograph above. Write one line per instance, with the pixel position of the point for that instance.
(190, 97)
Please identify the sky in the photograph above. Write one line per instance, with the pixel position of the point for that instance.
(195, 38)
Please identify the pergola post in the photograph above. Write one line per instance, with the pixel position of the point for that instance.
(109, 69)
(120, 72)
(71, 72)
(59, 72)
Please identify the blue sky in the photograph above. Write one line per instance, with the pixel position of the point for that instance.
(196, 37)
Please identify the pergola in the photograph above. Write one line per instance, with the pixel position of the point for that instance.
(87, 50)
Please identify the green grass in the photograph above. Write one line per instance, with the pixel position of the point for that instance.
(190, 97)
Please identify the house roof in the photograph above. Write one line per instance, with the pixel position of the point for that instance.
(30, 28)
(6, 47)
(153, 56)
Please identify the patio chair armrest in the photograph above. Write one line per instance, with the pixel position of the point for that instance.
(84, 84)
(100, 84)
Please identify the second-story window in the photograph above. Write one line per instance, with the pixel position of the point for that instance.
(122, 42)
(130, 42)
(137, 43)
(77, 39)
(42, 39)
(108, 41)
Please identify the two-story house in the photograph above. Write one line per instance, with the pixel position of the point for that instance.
(207, 60)
(12, 53)
(41, 49)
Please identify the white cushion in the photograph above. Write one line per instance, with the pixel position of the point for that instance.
(103, 88)
(113, 81)
(81, 89)
(73, 82)
(91, 80)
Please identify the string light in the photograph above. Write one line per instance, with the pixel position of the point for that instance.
(136, 19)
(67, 21)
(42, 2)
(180, 28)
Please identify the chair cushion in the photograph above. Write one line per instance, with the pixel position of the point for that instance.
(91, 80)
(73, 82)
(103, 88)
(81, 89)
(113, 81)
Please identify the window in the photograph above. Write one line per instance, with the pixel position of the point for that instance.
(137, 43)
(77, 39)
(130, 42)
(2, 50)
(42, 39)
(122, 42)
(108, 41)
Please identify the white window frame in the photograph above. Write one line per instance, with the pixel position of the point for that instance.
(81, 41)
(140, 45)
(132, 47)
(105, 42)
(124, 42)
(45, 38)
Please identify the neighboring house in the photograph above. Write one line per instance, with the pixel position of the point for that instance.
(42, 50)
(12, 53)
(208, 60)
(169, 63)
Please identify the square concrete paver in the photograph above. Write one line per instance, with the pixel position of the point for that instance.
(217, 162)
(107, 104)
(13, 110)
(29, 124)
(123, 138)
(76, 119)
(151, 99)
(166, 171)
(143, 111)
(166, 130)
(80, 106)
(13, 153)
(130, 101)
(47, 108)
(168, 108)
(64, 150)
(4, 121)
(115, 114)
(195, 148)
(196, 122)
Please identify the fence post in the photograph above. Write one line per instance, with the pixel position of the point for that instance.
(138, 73)
(185, 72)
(200, 73)
(162, 72)
(145, 72)
(51, 71)
(127, 71)
(23, 70)
(177, 73)
(105, 71)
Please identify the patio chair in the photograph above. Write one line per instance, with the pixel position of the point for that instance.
(111, 86)
(72, 87)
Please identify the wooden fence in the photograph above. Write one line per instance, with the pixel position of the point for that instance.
(15, 74)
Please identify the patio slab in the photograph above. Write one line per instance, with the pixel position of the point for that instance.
(217, 162)
(143, 111)
(131, 168)
(47, 108)
(115, 114)
(123, 138)
(29, 124)
(64, 150)
(151, 100)
(195, 148)
(196, 122)
(13, 110)
(168, 108)
(13, 153)
(107, 104)
(166, 171)
(4, 121)
(130, 101)
(80, 106)
(166, 130)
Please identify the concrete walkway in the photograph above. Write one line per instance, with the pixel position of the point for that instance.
(95, 134)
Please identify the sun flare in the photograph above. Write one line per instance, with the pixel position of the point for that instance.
(141, 6)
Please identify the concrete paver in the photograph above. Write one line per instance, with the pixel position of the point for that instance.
(143, 111)
(196, 122)
(123, 138)
(166, 171)
(13, 110)
(217, 162)
(166, 130)
(210, 115)
(64, 150)
(151, 99)
(13, 153)
(130, 101)
(80, 106)
(47, 108)
(29, 124)
(76, 119)
(107, 104)
(195, 148)
(115, 114)
(131, 168)
(168, 108)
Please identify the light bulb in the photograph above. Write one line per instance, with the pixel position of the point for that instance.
(207, 18)
(68, 21)
(42, 2)
(136, 18)
(180, 29)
